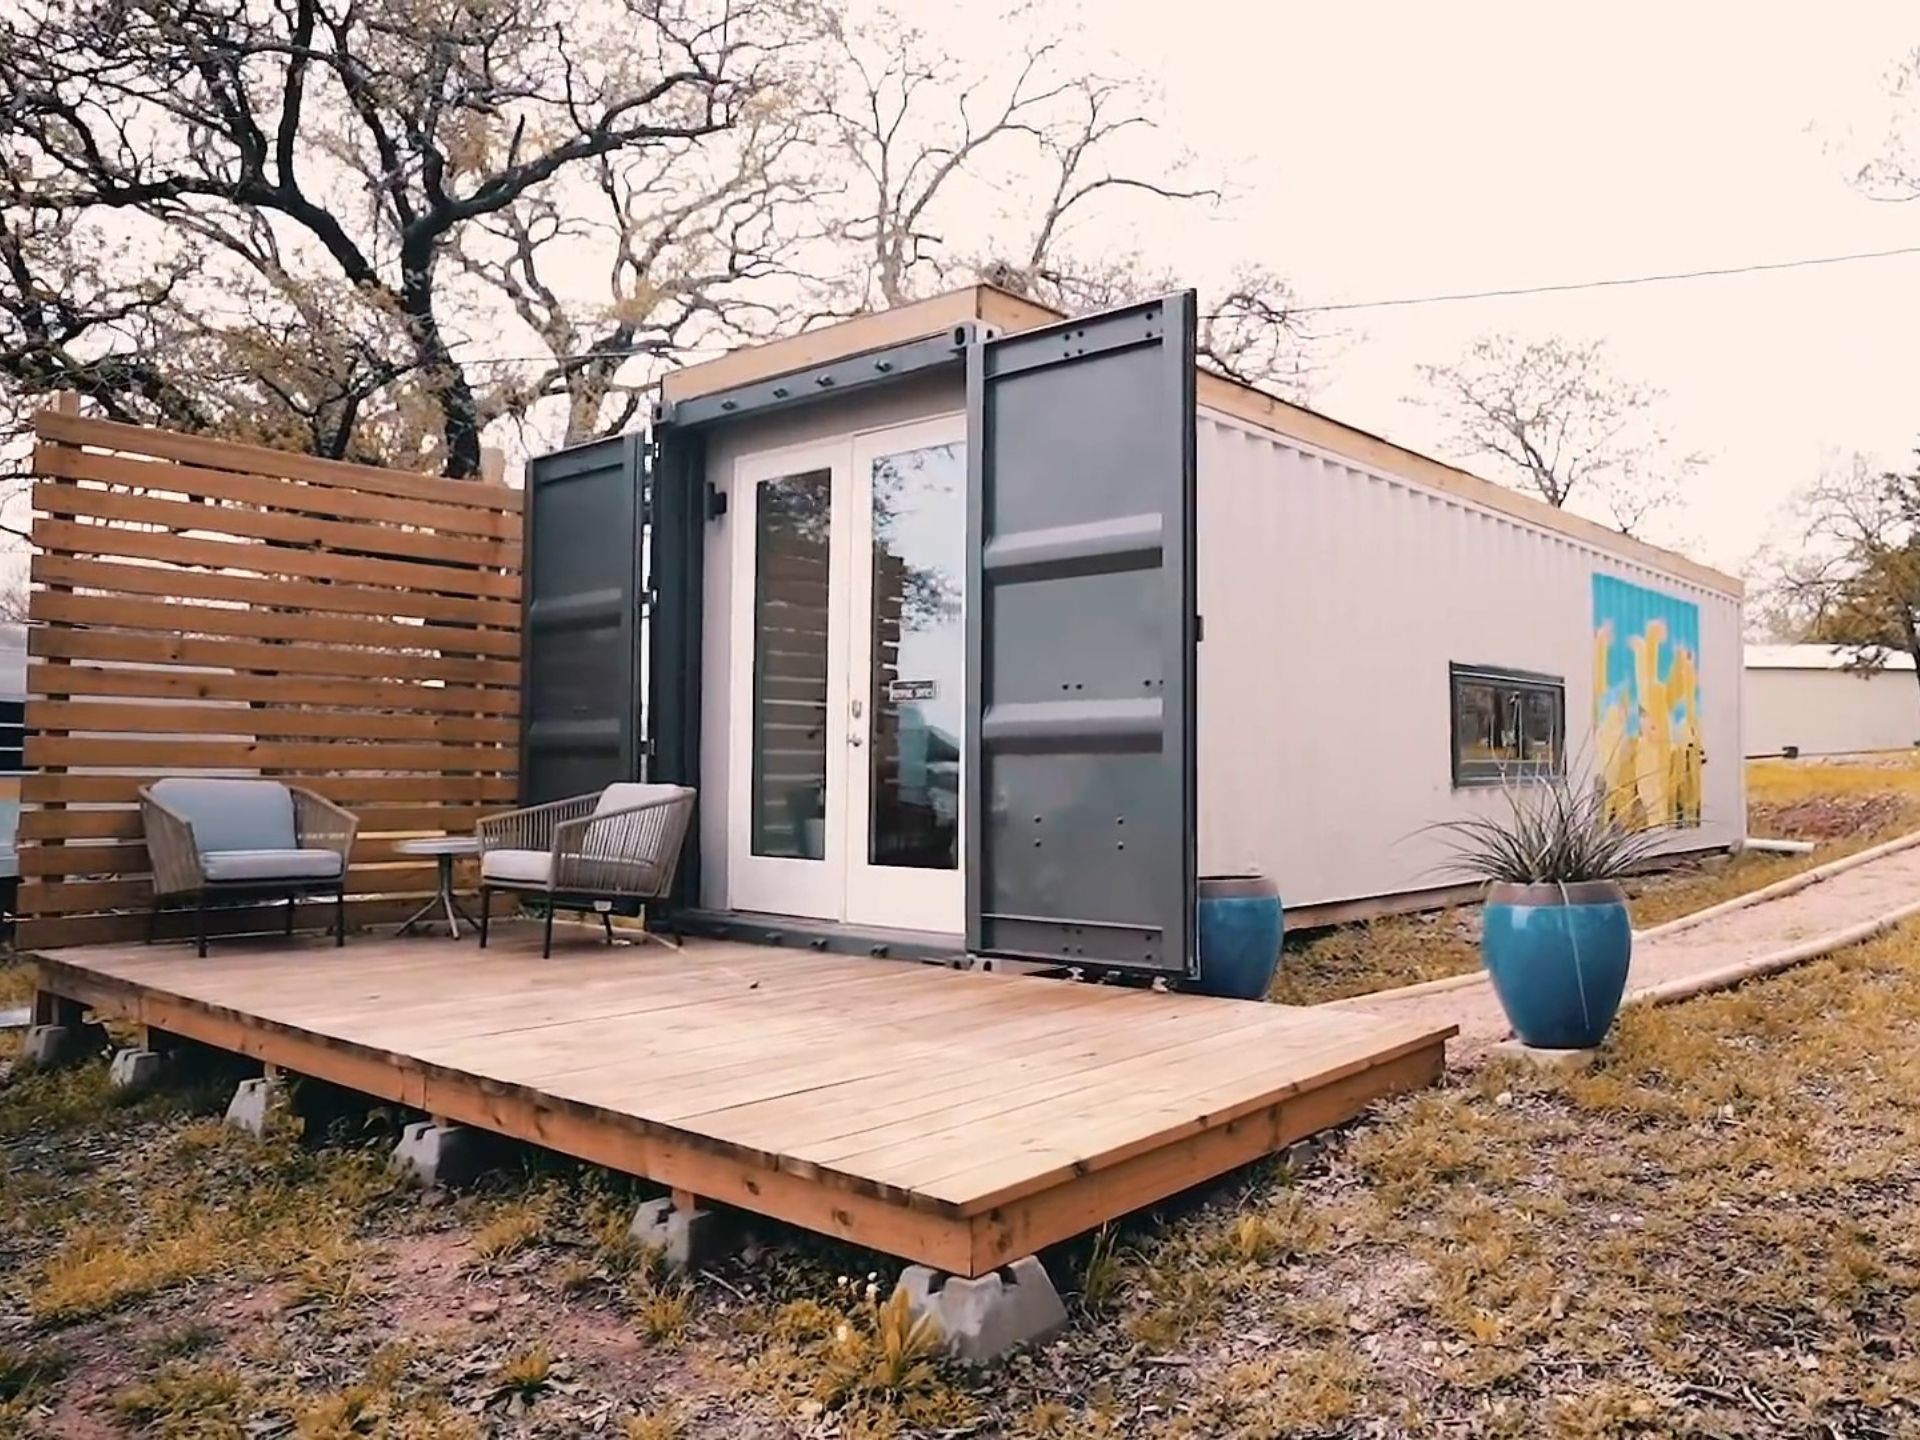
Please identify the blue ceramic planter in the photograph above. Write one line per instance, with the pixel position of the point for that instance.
(1240, 926)
(1558, 959)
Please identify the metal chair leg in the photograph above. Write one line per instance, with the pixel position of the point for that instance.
(290, 904)
(546, 945)
(200, 923)
(153, 919)
(486, 912)
(606, 924)
(340, 917)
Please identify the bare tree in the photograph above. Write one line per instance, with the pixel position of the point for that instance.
(332, 155)
(699, 242)
(1562, 424)
(1850, 576)
(1046, 148)
(1892, 171)
(907, 120)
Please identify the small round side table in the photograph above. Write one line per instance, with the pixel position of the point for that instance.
(445, 849)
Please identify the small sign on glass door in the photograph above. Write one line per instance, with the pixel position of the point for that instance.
(900, 691)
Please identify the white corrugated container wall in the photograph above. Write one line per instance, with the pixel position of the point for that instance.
(1830, 711)
(1335, 596)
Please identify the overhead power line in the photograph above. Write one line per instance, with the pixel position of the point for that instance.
(1404, 301)
(1611, 283)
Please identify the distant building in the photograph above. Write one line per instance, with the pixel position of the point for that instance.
(1804, 698)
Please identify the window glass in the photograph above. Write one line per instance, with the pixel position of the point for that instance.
(1506, 725)
(792, 543)
(918, 690)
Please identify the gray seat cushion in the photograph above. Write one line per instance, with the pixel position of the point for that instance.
(516, 867)
(603, 844)
(232, 814)
(627, 794)
(226, 866)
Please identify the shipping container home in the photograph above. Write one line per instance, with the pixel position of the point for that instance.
(979, 630)
(1817, 700)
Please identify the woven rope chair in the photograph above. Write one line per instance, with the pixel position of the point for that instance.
(219, 839)
(617, 848)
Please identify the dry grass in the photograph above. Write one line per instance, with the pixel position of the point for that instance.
(1844, 806)
(1717, 1231)
(16, 981)
(203, 1201)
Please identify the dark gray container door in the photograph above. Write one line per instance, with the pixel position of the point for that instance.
(580, 636)
(1081, 631)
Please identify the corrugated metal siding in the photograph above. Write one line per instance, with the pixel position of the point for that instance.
(1831, 712)
(1335, 596)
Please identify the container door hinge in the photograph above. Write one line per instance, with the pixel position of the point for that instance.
(716, 501)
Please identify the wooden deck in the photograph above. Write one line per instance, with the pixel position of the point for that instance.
(961, 1119)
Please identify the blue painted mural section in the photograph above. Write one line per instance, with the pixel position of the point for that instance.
(1646, 702)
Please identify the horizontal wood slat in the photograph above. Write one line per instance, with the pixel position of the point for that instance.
(127, 647)
(352, 791)
(71, 537)
(269, 492)
(132, 859)
(123, 822)
(149, 613)
(115, 577)
(205, 607)
(84, 896)
(334, 694)
(55, 931)
(57, 498)
(259, 460)
(255, 721)
(44, 751)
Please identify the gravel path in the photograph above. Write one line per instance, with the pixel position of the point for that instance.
(1847, 899)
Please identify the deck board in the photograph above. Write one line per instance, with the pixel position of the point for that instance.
(945, 1116)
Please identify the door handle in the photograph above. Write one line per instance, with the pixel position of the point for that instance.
(853, 739)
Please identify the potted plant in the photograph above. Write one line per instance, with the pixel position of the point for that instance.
(1555, 935)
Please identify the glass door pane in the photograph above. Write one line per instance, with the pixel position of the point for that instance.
(792, 604)
(916, 691)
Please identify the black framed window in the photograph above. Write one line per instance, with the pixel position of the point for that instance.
(13, 736)
(1507, 724)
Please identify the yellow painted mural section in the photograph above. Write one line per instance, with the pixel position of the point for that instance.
(1646, 686)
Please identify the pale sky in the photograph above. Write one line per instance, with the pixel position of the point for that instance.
(1384, 150)
(1376, 151)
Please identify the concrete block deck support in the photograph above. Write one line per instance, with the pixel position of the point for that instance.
(981, 1320)
(136, 1070)
(677, 1225)
(59, 1034)
(438, 1152)
(257, 1102)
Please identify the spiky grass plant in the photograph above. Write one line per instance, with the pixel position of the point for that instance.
(1552, 830)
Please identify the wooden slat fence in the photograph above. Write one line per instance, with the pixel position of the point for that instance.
(201, 607)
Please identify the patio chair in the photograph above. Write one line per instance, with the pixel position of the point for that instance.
(618, 847)
(221, 839)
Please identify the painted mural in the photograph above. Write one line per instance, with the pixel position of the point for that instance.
(1646, 704)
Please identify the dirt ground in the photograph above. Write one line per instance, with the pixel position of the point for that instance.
(1716, 1231)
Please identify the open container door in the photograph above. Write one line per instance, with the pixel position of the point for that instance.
(581, 619)
(1080, 796)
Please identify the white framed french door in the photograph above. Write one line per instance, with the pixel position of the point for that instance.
(786, 839)
(906, 689)
(849, 678)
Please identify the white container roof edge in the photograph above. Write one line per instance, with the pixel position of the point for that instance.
(1297, 423)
